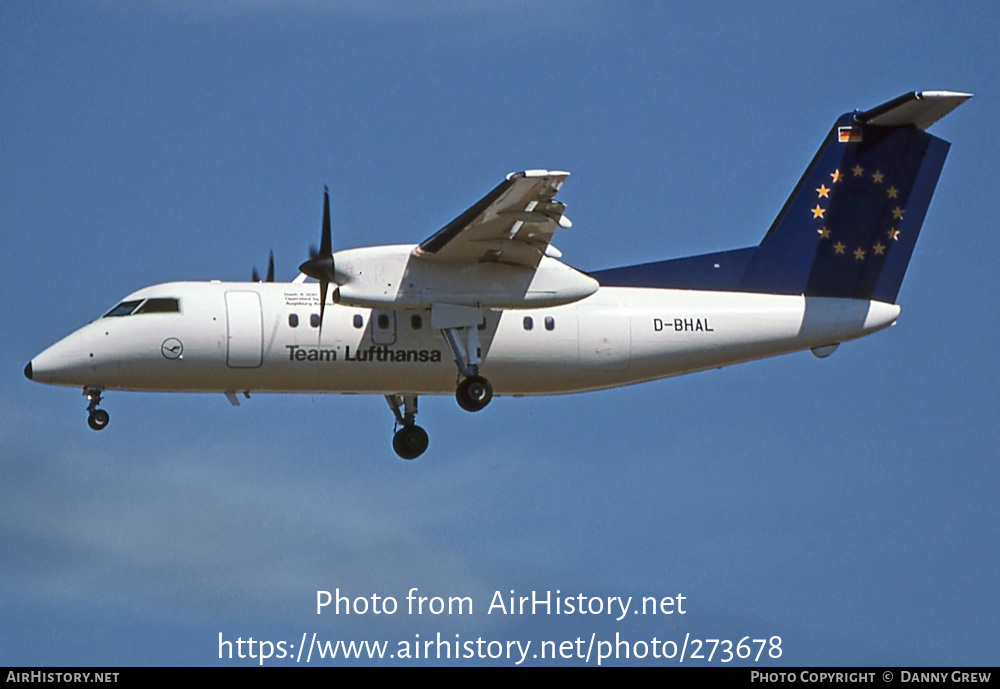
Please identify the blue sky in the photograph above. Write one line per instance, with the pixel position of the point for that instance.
(847, 505)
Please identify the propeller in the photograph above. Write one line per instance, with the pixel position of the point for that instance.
(320, 263)
(270, 270)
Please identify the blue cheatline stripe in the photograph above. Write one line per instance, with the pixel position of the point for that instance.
(720, 272)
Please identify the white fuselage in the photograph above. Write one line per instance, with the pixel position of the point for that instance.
(235, 337)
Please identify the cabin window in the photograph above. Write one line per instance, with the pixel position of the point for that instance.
(293, 320)
(550, 323)
(416, 321)
(358, 320)
(123, 309)
(314, 320)
(529, 323)
(159, 306)
(383, 321)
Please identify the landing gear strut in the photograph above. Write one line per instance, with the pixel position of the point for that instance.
(473, 392)
(97, 419)
(410, 440)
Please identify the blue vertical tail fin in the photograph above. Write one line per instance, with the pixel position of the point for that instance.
(849, 227)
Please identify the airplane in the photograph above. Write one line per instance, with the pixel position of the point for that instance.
(485, 306)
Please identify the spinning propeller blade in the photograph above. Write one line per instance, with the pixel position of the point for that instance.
(270, 270)
(320, 264)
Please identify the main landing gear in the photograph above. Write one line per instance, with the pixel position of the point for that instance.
(473, 392)
(97, 419)
(410, 440)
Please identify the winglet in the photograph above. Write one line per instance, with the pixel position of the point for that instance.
(917, 109)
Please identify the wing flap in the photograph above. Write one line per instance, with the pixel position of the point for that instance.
(513, 223)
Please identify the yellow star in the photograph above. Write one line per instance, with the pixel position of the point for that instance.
(877, 177)
(893, 192)
(859, 254)
(823, 191)
(858, 170)
(836, 176)
(893, 234)
(897, 213)
(818, 212)
(823, 233)
(838, 248)
(879, 248)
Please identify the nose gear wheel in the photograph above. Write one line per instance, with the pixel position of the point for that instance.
(97, 419)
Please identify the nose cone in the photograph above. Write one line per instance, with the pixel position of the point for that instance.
(64, 363)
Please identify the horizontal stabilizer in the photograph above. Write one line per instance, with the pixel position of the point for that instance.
(917, 109)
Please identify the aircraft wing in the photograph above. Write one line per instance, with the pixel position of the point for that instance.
(514, 223)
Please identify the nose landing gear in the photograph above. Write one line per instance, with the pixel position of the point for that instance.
(97, 419)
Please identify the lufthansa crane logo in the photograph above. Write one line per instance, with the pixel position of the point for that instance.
(172, 348)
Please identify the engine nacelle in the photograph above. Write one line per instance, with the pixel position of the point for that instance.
(391, 277)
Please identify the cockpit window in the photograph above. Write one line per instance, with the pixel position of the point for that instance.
(123, 309)
(159, 306)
